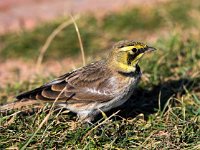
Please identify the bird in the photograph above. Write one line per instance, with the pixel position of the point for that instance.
(97, 87)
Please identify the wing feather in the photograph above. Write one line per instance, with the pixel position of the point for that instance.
(58, 87)
(90, 83)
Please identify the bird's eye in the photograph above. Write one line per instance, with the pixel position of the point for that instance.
(134, 50)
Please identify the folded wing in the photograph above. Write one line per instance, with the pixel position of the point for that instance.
(90, 83)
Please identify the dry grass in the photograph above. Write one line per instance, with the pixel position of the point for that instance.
(163, 112)
(51, 37)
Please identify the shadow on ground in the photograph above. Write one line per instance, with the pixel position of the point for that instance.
(147, 101)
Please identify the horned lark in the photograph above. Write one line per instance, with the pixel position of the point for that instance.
(99, 86)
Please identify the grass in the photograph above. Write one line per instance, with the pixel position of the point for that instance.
(164, 111)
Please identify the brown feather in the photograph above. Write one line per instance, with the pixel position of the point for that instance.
(89, 83)
(58, 87)
(48, 93)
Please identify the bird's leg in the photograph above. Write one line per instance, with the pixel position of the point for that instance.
(86, 117)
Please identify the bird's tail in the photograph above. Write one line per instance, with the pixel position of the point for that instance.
(18, 105)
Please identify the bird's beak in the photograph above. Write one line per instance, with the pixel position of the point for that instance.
(150, 49)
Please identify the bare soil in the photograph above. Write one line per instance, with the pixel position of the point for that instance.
(26, 14)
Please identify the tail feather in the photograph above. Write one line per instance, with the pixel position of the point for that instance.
(38, 95)
(18, 105)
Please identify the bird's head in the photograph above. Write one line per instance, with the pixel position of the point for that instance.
(125, 55)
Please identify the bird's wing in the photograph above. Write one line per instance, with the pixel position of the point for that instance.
(90, 83)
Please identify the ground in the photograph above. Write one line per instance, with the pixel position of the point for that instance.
(164, 110)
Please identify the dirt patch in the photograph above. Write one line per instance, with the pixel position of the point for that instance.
(13, 70)
(16, 15)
